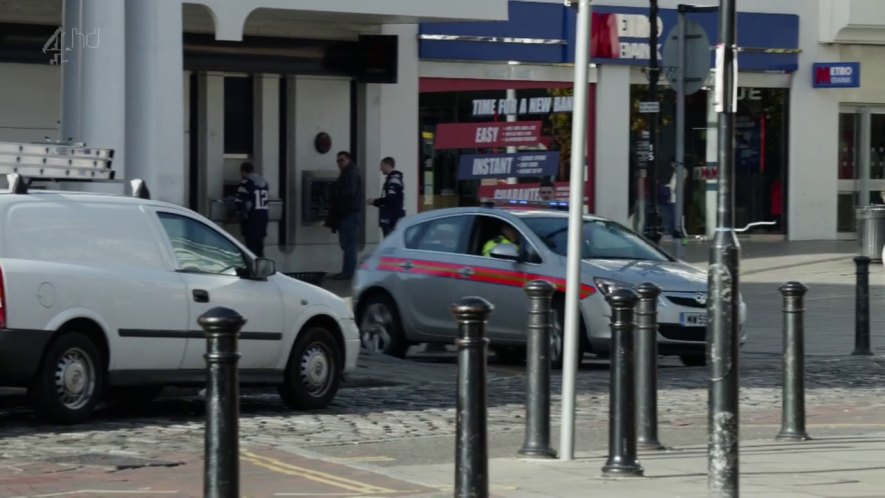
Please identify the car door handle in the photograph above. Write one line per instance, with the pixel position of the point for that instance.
(201, 295)
(406, 265)
(466, 272)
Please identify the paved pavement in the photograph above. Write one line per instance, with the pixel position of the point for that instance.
(391, 430)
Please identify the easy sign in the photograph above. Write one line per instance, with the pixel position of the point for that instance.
(836, 75)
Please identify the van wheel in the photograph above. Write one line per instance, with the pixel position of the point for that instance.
(313, 372)
(69, 381)
(381, 330)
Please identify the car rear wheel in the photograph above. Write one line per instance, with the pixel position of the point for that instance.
(693, 360)
(69, 380)
(313, 372)
(381, 330)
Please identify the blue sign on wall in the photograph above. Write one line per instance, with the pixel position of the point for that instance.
(545, 33)
(522, 164)
(835, 75)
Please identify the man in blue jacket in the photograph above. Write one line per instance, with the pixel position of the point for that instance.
(346, 212)
(252, 200)
(390, 204)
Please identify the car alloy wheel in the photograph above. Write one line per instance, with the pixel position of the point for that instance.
(375, 329)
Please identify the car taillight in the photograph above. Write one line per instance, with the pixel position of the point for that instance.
(2, 301)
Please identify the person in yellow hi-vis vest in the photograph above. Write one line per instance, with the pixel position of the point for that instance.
(509, 235)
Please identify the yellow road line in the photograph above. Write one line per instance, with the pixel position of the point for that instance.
(314, 475)
(379, 458)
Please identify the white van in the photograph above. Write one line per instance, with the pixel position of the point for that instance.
(100, 294)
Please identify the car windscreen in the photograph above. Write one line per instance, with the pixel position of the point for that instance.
(601, 239)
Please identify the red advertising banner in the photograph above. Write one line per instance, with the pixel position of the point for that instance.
(520, 191)
(487, 135)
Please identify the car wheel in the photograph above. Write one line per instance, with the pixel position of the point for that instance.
(313, 372)
(381, 331)
(557, 339)
(69, 380)
(693, 360)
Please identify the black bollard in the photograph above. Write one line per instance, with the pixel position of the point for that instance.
(221, 477)
(537, 418)
(793, 419)
(622, 414)
(862, 307)
(647, 367)
(471, 452)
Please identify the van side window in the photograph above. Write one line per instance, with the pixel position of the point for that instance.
(199, 248)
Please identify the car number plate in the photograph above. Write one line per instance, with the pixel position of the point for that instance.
(693, 319)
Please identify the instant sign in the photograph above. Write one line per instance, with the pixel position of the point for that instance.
(524, 164)
(487, 135)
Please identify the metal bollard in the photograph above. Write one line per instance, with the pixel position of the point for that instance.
(471, 452)
(622, 415)
(647, 367)
(793, 419)
(862, 307)
(221, 477)
(537, 419)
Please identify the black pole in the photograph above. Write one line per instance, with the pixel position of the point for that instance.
(221, 477)
(862, 307)
(793, 419)
(722, 308)
(647, 367)
(471, 453)
(622, 459)
(537, 417)
(653, 226)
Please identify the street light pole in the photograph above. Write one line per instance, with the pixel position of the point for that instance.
(575, 230)
(653, 226)
(722, 308)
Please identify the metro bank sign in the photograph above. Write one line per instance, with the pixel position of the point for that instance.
(836, 75)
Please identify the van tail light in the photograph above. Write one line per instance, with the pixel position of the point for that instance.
(2, 300)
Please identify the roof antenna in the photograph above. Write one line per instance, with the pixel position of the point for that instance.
(139, 189)
(16, 183)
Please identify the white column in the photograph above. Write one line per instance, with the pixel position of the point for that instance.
(267, 138)
(210, 156)
(94, 75)
(711, 186)
(154, 102)
(399, 124)
(612, 182)
(370, 129)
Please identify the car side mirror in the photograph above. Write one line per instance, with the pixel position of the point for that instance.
(263, 268)
(506, 251)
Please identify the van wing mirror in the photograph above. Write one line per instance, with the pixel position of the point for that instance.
(263, 268)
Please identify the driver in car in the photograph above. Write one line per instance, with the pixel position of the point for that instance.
(509, 235)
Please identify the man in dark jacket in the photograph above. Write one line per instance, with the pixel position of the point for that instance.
(390, 204)
(345, 213)
(252, 200)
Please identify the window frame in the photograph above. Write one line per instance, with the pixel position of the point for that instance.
(221, 234)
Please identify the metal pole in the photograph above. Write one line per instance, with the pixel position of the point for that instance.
(471, 453)
(793, 417)
(722, 309)
(537, 418)
(575, 231)
(621, 402)
(222, 454)
(647, 367)
(653, 228)
(862, 307)
(678, 233)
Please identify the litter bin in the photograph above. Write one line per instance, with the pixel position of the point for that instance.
(871, 231)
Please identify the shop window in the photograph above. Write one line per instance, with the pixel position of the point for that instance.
(238, 115)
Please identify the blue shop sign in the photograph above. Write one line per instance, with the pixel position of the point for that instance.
(545, 33)
(835, 75)
(522, 164)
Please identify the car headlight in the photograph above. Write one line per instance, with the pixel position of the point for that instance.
(606, 285)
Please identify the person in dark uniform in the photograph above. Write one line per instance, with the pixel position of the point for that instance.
(252, 200)
(390, 204)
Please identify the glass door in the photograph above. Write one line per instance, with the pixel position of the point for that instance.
(861, 163)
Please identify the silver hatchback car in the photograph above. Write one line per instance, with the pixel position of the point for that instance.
(403, 290)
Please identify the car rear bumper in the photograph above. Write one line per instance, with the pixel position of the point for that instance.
(20, 354)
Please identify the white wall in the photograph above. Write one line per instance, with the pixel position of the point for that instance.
(612, 180)
(30, 99)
